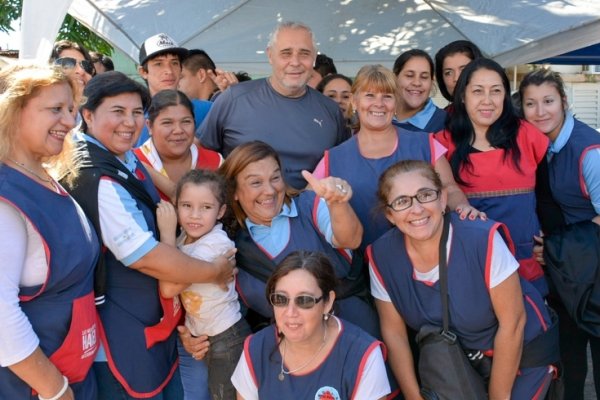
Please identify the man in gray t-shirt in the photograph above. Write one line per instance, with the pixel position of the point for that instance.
(281, 110)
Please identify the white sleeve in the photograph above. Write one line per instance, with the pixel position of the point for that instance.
(503, 263)
(17, 338)
(124, 229)
(243, 381)
(377, 289)
(373, 383)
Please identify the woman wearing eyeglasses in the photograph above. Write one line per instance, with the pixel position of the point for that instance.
(308, 353)
(75, 61)
(271, 221)
(492, 310)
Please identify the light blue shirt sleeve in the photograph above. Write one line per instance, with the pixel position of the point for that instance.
(591, 176)
(124, 230)
(324, 221)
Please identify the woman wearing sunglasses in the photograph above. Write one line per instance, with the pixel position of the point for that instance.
(492, 310)
(75, 61)
(308, 353)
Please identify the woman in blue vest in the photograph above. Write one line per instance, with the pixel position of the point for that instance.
(271, 221)
(48, 336)
(138, 357)
(415, 110)
(574, 172)
(309, 353)
(377, 145)
(492, 310)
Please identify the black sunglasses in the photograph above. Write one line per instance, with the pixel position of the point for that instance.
(70, 63)
(304, 301)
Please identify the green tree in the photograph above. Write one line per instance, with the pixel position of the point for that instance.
(71, 29)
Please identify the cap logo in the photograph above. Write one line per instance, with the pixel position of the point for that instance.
(165, 41)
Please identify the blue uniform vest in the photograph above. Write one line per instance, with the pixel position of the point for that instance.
(345, 161)
(50, 308)
(143, 365)
(303, 236)
(435, 124)
(339, 372)
(472, 316)
(565, 170)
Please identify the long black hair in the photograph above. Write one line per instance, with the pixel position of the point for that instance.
(502, 134)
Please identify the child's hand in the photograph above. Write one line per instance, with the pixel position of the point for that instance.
(166, 218)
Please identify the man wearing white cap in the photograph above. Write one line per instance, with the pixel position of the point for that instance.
(161, 60)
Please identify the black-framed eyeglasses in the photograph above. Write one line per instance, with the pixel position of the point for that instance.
(304, 301)
(401, 203)
(70, 63)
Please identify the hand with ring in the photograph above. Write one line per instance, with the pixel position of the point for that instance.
(331, 189)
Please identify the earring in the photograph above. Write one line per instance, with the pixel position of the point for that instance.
(326, 317)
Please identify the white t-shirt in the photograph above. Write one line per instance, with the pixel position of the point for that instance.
(373, 382)
(209, 309)
(503, 264)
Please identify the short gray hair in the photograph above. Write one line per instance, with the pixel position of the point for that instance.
(290, 25)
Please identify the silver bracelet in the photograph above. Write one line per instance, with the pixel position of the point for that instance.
(60, 394)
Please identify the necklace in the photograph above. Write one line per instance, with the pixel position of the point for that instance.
(41, 178)
(283, 372)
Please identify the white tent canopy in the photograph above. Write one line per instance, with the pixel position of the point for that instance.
(352, 32)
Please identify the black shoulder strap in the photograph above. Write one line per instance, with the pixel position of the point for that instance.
(443, 271)
(251, 258)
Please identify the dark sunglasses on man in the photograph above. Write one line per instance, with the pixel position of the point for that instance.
(70, 63)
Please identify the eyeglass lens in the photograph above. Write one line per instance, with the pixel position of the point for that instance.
(69, 62)
(303, 301)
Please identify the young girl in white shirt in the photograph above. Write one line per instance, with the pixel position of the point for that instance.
(211, 310)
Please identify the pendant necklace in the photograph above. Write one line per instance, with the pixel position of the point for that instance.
(283, 372)
(41, 178)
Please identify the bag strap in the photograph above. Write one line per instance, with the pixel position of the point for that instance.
(443, 271)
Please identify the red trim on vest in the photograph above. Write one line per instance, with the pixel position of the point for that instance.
(537, 312)
(431, 139)
(581, 180)
(249, 360)
(113, 368)
(240, 293)
(326, 162)
(46, 252)
(541, 390)
(373, 265)
(362, 364)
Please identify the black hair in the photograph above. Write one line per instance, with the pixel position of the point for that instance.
(321, 86)
(242, 76)
(167, 98)
(502, 134)
(106, 61)
(407, 55)
(324, 65)
(110, 84)
(198, 58)
(458, 46)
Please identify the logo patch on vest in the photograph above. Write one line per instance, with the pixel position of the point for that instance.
(88, 341)
(327, 393)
